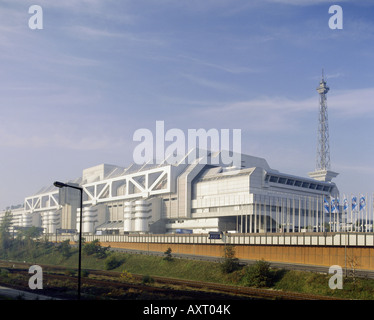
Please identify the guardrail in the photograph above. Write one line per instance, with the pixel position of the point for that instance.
(286, 239)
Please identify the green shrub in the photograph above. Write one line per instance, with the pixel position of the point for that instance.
(230, 262)
(112, 262)
(69, 272)
(4, 273)
(126, 276)
(64, 248)
(95, 248)
(84, 273)
(168, 256)
(147, 279)
(258, 275)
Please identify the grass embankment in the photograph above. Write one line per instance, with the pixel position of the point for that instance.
(259, 275)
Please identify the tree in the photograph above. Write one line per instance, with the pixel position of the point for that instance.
(5, 238)
(353, 262)
(95, 248)
(258, 274)
(65, 248)
(168, 256)
(112, 262)
(29, 233)
(230, 262)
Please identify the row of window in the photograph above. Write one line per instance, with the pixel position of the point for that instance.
(297, 183)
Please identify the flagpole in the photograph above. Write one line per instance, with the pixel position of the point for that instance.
(299, 227)
(360, 214)
(305, 212)
(372, 213)
(354, 216)
(323, 214)
(288, 214)
(293, 214)
(317, 227)
(350, 213)
(309, 211)
(330, 214)
(271, 215)
(366, 213)
(338, 217)
(276, 215)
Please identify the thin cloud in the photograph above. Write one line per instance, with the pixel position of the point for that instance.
(92, 33)
(227, 68)
(280, 114)
(353, 103)
(85, 31)
(306, 2)
(210, 83)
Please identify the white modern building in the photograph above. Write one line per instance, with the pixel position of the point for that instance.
(199, 196)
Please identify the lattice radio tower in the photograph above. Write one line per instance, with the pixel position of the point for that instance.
(323, 143)
(322, 171)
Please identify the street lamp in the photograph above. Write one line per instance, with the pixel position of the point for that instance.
(62, 185)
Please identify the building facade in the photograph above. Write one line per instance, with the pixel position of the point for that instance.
(197, 196)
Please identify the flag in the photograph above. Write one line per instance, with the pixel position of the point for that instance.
(345, 204)
(354, 203)
(362, 202)
(333, 205)
(326, 205)
(336, 205)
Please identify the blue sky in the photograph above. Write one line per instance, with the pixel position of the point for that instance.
(73, 94)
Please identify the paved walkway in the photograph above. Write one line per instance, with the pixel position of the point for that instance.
(22, 295)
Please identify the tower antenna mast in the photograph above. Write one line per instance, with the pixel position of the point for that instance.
(322, 171)
(323, 143)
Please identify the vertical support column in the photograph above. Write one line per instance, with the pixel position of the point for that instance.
(277, 215)
(246, 224)
(317, 214)
(255, 218)
(293, 214)
(300, 212)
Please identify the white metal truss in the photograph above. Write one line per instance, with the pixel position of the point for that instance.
(136, 185)
(42, 202)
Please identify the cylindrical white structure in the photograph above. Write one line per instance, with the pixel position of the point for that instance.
(50, 221)
(78, 219)
(54, 221)
(26, 219)
(89, 217)
(45, 221)
(141, 216)
(127, 216)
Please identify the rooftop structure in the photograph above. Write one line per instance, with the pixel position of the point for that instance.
(198, 193)
(202, 196)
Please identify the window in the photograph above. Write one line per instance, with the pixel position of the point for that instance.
(305, 185)
(282, 180)
(273, 179)
(298, 183)
(290, 182)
